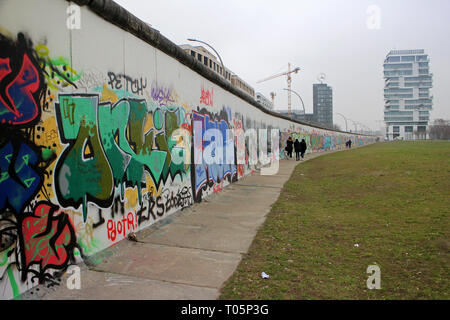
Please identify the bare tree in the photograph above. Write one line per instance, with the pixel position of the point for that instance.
(416, 134)
(440, 129)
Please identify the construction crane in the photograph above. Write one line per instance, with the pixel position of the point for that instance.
(288, 74)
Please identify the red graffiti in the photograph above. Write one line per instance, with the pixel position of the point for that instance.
(123, 226)
(207, 97)
(17, 96)
(48, 237)
(217, 188)
(186, 126)
(240, 170)
(237, 124)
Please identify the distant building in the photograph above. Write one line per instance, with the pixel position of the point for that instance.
(211, 62)
(294, 113)
(297, 115)
(308, 117)
(407, 100)
(266, 103)
(242, 85)
(208, 59)
(323, 104)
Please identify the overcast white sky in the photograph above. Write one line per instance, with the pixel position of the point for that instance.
(258, 38)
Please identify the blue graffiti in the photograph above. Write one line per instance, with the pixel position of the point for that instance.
(215, 171)
(18, 181)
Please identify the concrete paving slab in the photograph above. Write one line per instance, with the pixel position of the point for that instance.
(239, 202)
(264, 181)
(179, 265)
(109, 286)
(230, 219)
(207, 237)
(246, 193)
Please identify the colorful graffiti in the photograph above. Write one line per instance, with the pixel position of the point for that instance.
(58, 71)
(48, 239)
(108, 147)
(35, 236)
(21, 82)
(213, 135)
(318, 140)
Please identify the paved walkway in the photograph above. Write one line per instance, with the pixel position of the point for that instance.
(188, 255)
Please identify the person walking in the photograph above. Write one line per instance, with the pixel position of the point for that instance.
(297, 149)
(289, 144)
(303, 148)
(350, 143)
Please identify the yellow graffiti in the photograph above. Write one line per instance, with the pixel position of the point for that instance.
(58, 71)
(148, 124)
(108, 95)
(47, 136)
(131, 194)
(151, 187)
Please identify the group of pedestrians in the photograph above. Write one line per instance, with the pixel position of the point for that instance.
(298, 146)
(348, 144)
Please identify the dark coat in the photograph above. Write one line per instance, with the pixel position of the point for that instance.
(289, 145)
(297, 146)
(302, 146)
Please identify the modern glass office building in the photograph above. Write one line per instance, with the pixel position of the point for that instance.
(407, 99)
(323, 103)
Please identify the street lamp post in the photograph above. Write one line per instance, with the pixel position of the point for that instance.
(221, 62)
(364, 127)
(346, 127)
(304, 111)
(355, 124)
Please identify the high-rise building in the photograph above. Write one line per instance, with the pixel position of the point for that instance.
(407, 99)
(323, 103)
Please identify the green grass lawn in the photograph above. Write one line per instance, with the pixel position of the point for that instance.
(392, 199)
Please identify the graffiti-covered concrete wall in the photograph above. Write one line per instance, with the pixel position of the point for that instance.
(103, 130)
